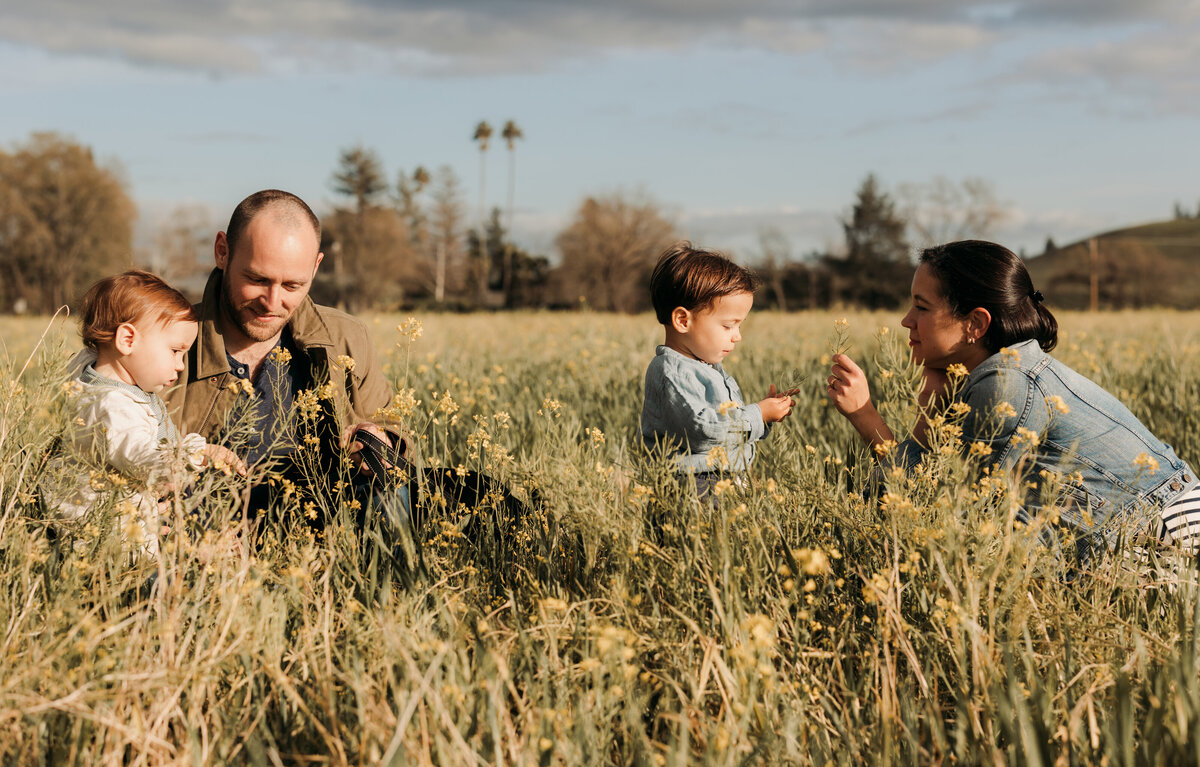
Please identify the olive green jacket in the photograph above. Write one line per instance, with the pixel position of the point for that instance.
(325, 336)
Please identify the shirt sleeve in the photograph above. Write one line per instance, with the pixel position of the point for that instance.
(704, 424)
(124, 433)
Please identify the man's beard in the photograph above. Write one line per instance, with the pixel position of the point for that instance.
(251, 329)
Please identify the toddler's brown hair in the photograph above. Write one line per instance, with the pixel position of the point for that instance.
(694, 278)
(131, 297)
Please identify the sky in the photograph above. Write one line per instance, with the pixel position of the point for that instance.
(734, 117)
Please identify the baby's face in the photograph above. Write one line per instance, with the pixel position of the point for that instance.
(713, 332)
(156, 359)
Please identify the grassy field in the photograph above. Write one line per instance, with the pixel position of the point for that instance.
(790, 621)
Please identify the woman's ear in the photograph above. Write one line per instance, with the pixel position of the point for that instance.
(681, 319)
(978, 322)
(125, 337)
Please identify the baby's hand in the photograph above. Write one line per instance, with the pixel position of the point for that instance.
(777, 406)
(223, 459)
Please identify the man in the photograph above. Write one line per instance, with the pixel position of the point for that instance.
(266, 351)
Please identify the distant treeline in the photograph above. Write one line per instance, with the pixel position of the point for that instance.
(66, 221)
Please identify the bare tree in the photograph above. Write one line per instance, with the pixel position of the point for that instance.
(776, 254)
(609, 249)
(943, 211)
(445, 225)
(181, 250)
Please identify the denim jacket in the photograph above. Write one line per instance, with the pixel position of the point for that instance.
(1061, 426)
(683, 410)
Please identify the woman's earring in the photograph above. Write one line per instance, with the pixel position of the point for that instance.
(970, 339)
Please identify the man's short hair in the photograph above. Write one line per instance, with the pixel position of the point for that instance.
(133, 297)
(694, 278)
(285, 204)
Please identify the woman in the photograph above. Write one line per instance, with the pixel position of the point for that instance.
(974, 306)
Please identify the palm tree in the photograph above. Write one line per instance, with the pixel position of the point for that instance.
(510, 133)
(483, 133)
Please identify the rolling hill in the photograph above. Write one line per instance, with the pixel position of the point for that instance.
(1155, 264)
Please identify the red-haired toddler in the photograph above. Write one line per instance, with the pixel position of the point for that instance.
(136, 330)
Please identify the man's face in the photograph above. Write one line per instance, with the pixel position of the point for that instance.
(269, 275)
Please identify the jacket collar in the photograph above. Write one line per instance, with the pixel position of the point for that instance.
(1028, 354)
(307, 326)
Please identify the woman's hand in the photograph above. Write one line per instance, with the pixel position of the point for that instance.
(848, 390)
(847, 386)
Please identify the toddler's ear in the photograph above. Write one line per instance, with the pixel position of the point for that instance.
(680, 319)
(124, 337)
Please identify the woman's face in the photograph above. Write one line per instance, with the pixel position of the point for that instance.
(937, 337)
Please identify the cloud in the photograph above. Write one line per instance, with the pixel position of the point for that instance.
(466, 36)
(739, 229)
(1153, 68)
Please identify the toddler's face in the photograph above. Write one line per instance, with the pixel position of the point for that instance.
(713, 332)
(156, 359)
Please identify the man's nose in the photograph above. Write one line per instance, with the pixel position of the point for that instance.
(272, 297)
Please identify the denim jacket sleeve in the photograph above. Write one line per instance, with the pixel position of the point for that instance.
(1007, 415)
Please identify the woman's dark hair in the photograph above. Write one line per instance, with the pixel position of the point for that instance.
(978, 274)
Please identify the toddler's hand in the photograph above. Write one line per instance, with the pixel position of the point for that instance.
(224, 459)
(777, 406)
(847, 386)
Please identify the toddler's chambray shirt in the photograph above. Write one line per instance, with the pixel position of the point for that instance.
(686, 412)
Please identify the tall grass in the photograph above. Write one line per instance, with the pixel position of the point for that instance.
(791, 620)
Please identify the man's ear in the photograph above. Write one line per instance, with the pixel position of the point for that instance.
(978, 322)
(221, 251)
(320, 258)
(681, 319)
(125, 337)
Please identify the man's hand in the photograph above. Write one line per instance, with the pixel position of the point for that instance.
(354, 447)
(777, 405)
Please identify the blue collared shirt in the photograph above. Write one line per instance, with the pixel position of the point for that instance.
(692, 407)
(270, 409)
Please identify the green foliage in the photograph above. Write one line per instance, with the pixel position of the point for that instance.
(791, 619)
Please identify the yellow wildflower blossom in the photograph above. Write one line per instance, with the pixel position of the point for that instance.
(1147, 462)
(1056, 402)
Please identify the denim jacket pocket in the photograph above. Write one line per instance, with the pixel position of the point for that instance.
(1084, 509)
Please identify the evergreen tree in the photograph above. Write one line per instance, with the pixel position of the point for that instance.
(876, 270)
